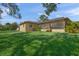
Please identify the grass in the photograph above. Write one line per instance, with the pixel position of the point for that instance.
(38, 44)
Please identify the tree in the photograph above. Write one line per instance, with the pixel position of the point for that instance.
(49, 8)
(7, 26)
(77, 24)
(14, 26)
(43, 18)
(0, 12)
(1, 27)
(12, 9)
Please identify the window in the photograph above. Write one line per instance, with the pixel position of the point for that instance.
(30, 25)
(58, 26)
(44, 26)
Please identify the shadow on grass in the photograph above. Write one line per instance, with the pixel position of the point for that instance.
(18, 51)
(4, 45)
(58, 44)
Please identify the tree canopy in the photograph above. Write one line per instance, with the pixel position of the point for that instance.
(43, 18)
(49, 8)
(12, 9)
(8, 26)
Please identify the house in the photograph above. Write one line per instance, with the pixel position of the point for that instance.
(53, 25)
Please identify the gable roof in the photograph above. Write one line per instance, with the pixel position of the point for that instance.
(57, 19)
(28, 22)
(50, 20)
(60, 18)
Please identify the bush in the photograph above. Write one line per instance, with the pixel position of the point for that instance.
(72, 27)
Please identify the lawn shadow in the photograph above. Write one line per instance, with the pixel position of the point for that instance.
(19, 51)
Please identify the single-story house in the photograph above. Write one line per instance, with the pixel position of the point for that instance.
(53, 25)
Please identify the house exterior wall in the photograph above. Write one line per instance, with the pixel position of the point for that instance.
(54, 30)
(22, 28)
(57, 26)
(45, 30)
(58, 30)
(29, 27)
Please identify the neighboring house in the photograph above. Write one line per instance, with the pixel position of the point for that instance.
(53, 25)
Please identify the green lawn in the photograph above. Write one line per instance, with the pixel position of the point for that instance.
(38, 44)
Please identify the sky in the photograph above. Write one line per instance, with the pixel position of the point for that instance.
(32, 11)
